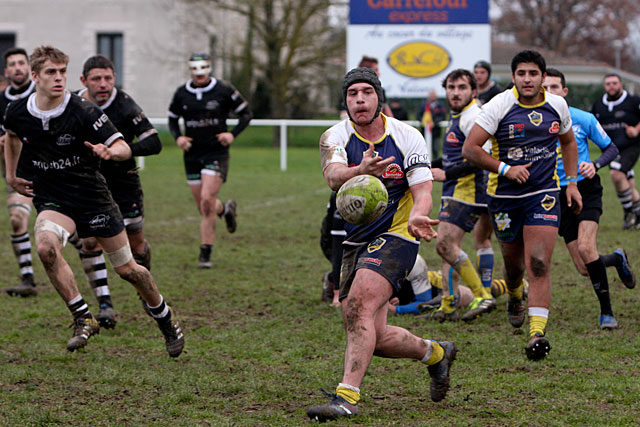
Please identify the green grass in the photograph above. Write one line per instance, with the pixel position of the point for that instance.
(260, 344)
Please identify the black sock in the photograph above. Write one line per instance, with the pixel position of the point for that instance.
(598, 275)
(611, 260)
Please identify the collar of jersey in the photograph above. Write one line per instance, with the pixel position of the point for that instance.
(24, 94)
(517, 95)
(198, 90)
(473, 101)
(106, 105)
(611, 104)
(47, 114)
(361, 138)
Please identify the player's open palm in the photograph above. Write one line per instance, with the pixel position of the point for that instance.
(421, 226)
(372, 164)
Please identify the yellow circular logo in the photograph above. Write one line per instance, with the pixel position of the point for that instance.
(419, 59)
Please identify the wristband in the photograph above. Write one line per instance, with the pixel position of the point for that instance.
(572, 180)
(503, 168)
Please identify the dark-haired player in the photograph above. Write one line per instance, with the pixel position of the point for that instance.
(205, 104)
(64, 136)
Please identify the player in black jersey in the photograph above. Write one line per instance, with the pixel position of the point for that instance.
(619, 114)
(487, 88)
(205, 103)
(64, 137)
(98, 77)
(18, 73)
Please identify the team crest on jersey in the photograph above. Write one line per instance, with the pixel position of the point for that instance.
(515, 153)
(555, 128)
(394, 171)
(535, 118)
(375, 154)
(502, 221)
(452, 138)
(548, 202)
(376, 244)
(212, 105)
(65, 139)
(516, 131)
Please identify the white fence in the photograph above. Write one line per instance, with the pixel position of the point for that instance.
(283, 124)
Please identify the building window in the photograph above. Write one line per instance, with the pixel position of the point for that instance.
(111, 46)
(7, 41)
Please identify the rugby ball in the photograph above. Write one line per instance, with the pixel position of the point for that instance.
(362, 199)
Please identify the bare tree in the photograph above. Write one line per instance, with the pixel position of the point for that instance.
(584, 28)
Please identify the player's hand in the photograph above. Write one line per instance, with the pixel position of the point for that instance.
(519, 173)
(421, 227)
(394, 301)
(438, 174)
(225, 138)
(632, 131)
(587, 169)
(574, 199)
(99, 150)
(22, 186)
(184, 142)
(371, 165)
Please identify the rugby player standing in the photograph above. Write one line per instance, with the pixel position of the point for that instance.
(205, 103)
(64, 136)
(524, 203)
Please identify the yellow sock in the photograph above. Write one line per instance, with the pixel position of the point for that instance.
(537, 324)
(498, 287)
(517, 292)
(470, 276)
(435, 278)
(437, 353)
(347, 394)
(447, 304)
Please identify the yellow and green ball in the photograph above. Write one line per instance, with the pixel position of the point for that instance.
(362, 199)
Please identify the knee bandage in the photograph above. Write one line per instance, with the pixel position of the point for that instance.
(121, 256)
(42, 225)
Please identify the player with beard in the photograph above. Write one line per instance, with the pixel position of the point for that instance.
(98, 77)
(18, 73)
(205, 104)
(377, 256)
(619, 114)
(526, 123)
(64, 136)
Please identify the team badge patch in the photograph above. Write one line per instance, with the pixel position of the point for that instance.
(375, 154)
(502, 221)
(376, 244)
(548, 202)
(555, 128)
(535, 118)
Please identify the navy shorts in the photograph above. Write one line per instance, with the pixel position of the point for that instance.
(391, 256)
(509, 216)
(591, 192)
(461, 214)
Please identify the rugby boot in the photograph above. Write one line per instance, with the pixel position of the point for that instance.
(83, 329)
(173, 336)
(327, 288)
(107, 317)
(624, 270)
(515, 312)
(230, 215)
(336, 408)
(538, 347)
(26, 288)
(608, 322)
(478, 307)
(439, 372)
(204, 260)
(629, 221)
(432, 304)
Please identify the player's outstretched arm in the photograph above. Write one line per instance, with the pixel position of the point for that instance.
(117, 151)
(337, 174)
(420, 225)
(12, 149)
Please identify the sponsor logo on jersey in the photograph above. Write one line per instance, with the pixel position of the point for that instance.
(415, 159)
(99, 221)
(515, 153)
(548, 202)
(139, 118)
(516, 131)
(376, 244)
(394, 171)
(452, 138)
(555, 128)
(535, 118)
(374, 261)
(98, 123)
(419, 59)
(212, 105)
(65, 139)
(546, 217)
(502, 221)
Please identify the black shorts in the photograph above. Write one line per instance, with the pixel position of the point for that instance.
(106, 222)
(126, 191)
(389, 255)
(591, 192)
(208, 164)
(626, 159)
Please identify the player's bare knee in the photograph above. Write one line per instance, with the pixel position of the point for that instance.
(445, 247)
(18, 217)
(207, 206)
(352, 309)
(89, 244)
(47, 252)
(539, 268)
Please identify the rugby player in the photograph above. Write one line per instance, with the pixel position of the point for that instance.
(18, 73)
(377, 256)
(487, 88)
(619, 114)
(64, 137)
(98, 77)
(580, 231)
(524, 204)
(205, 103)
(463, 202)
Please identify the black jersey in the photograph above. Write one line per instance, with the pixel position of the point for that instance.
(486, 95)
(205, 111)
(65, 170)
(614, 115)
(11, 94)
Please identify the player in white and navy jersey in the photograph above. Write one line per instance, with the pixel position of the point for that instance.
(205, 104)
(378, 256)
(525, 124)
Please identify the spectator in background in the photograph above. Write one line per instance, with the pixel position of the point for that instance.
(432, 112)
(398, 110)
(487, 88)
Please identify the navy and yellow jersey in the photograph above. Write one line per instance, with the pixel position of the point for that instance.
(615, 115)
(469, 189)
(524, 134)
(342, 144)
